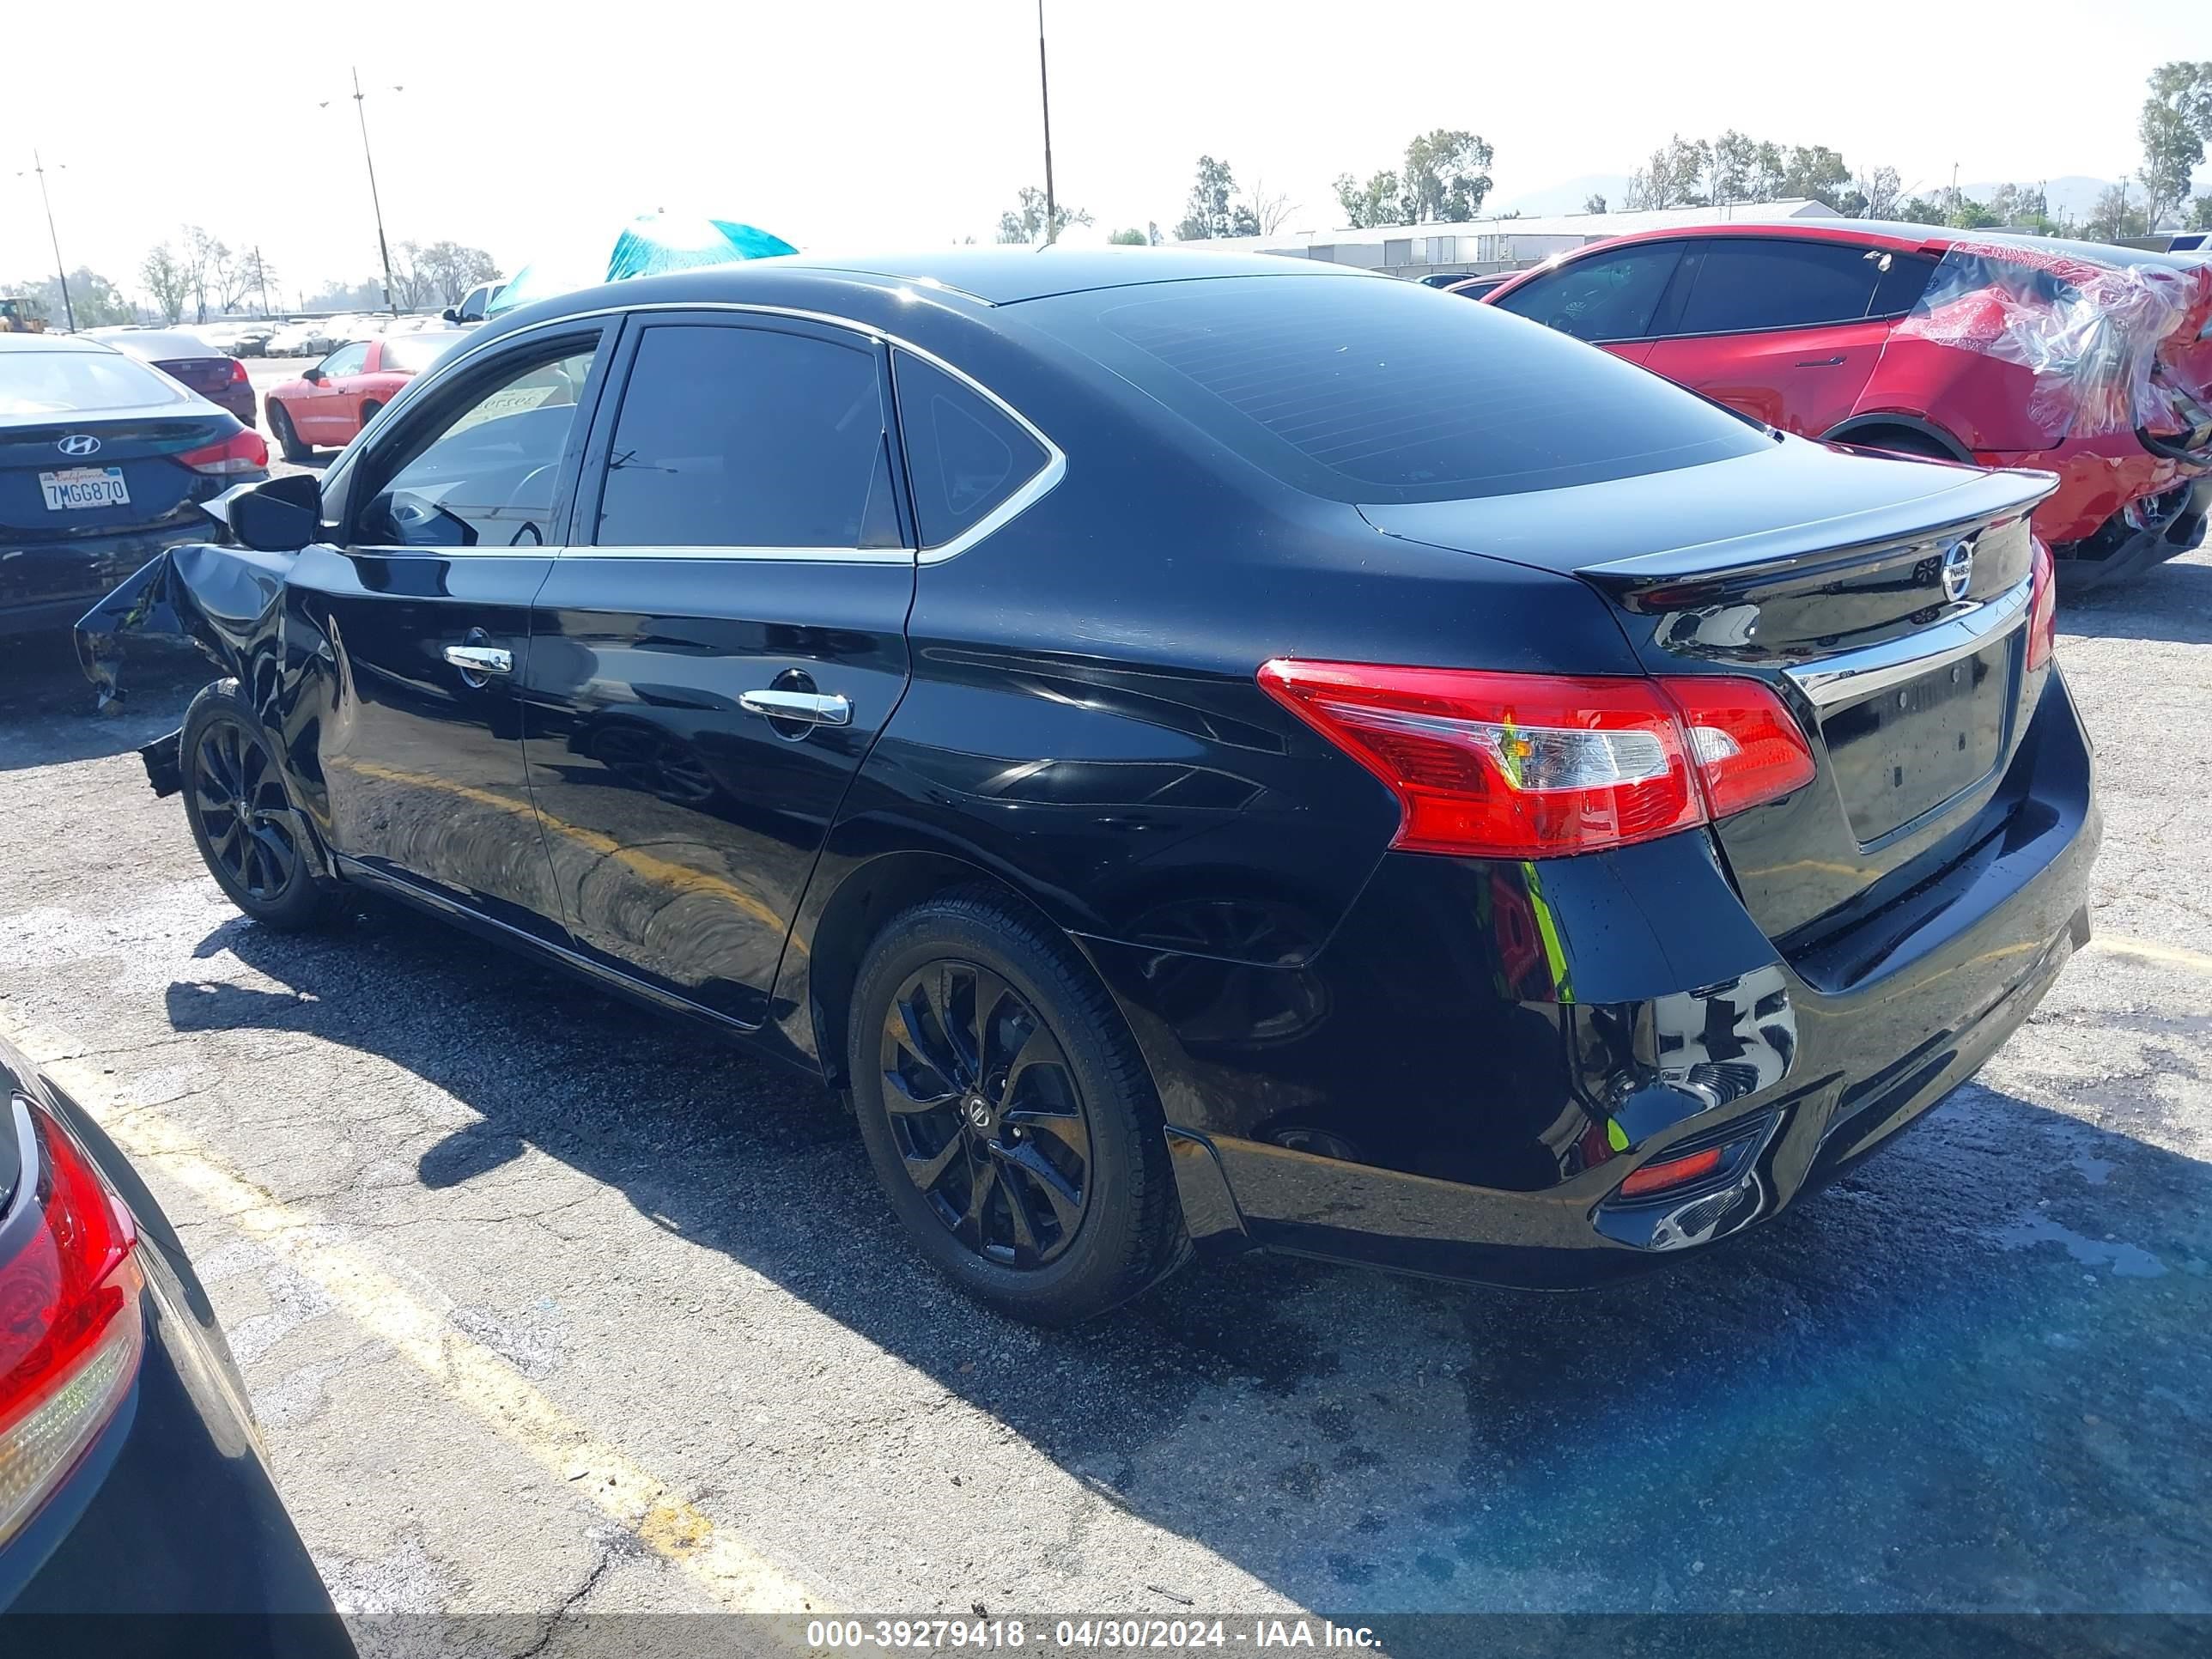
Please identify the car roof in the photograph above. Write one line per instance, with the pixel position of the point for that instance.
(991, 275)
(12, 342)
(1890, 234)
(157, 345)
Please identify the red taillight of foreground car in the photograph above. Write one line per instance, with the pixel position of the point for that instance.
(1502, 765)
(2043, 606)
(71, 1330)
(241, 451)
(238, 375)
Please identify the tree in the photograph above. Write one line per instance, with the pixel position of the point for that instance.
(1921, 210)
(1593, 203)
(2200, 212)
(1671, 177)
(1127, 239)
(1873, 195)
(1213, 210)
(205, 260)
(1731, 160)
(97, 302)
(1377, 201)
(1816, 172)
(168, 284)
(1447, 175)
(2115, 216)
(1270, 208)
(2020, 205)
(1024, 222)
(2175, 126)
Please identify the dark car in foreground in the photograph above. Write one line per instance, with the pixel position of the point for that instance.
(192, 362)
(1201, 749)
(2090, 361)
(104, 461)
(136, 1509)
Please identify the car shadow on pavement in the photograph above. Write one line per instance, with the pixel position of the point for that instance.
(1968, 1377)
(2166, 602)
(48, 715)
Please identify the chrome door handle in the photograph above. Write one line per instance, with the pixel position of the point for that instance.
(480, 660)
(813, 708)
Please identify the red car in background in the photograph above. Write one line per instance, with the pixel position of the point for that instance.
(2090, 361)
(327, 406)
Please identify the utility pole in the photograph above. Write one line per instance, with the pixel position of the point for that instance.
(1044, 99)
(383, 249)
(261, 271)
(61, 270)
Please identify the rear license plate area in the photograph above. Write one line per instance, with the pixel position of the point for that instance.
(76, 488)
(1902, 753)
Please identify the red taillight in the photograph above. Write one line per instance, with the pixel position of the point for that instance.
(241, 451)
(1673, 1172)
(1534, 765)
(70, 1331)
(237, 372)
(2042, 607)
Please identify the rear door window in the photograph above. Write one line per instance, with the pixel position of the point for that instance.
(1608, 298)
(1903, 281)
(1747, 283)
(965, 454)
(734, 435)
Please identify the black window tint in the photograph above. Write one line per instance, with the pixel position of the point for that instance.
(1750, 284)
(486, 477)
(747, 437)
(1901, 286)
(1369, 389)
(1603, 299)
(964, 453)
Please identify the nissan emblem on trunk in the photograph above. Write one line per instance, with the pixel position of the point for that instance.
(1957, 569)
(79, 443)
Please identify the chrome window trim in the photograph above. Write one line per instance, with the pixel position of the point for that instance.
(1851, 675)
(1041, 484)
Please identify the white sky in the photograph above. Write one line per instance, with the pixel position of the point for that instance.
(862, 123)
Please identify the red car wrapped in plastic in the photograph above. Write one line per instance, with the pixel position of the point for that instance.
(2089, 361)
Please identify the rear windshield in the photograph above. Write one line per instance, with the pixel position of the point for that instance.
(65, 382)
(1375, 390)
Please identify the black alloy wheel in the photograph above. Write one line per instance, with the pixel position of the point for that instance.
(242, 808)
(253, 839)
(986, 1113)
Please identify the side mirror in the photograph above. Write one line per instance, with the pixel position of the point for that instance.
(281, 516)
(313, 374)
(451, 313)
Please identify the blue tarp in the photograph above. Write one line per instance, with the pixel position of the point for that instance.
(651, 242)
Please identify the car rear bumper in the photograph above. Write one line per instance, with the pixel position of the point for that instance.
(2145, 533)
(1458, 1083)
(49, 585)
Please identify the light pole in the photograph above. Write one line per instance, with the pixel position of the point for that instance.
(1044, 99)
(383, 248)
(61, 270)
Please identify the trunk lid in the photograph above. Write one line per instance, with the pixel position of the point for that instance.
(52, 494)
(1823, 575)
(205, 375)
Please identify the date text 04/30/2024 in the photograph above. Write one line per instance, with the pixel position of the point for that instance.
(1086, 1635)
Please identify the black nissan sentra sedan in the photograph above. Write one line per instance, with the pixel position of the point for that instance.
(1203, 750)
(136, 1512)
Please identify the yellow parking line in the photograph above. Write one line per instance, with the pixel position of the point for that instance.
(2143, 949)
(462, 1368)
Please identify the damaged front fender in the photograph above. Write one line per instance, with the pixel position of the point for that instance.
(228, 601)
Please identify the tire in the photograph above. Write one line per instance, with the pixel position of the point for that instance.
(280, 428)
(1050, 1040)
(259, 852)
(1901, 441)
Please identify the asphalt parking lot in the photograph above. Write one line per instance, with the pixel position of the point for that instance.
(551, 1307)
